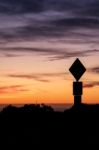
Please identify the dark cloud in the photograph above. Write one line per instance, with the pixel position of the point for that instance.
(52, 54)
(42, 77)
(77, 22)
(12, 89)
(94, 70)
(20, 6)
(91, 8)
(8, 55)
(29, 77)
(33, 21)
(68, 54)
(36, 6)
(91, 84)
(88, 8)
(32, 31)
(56, 28)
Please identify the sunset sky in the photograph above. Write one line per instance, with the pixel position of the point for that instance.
(39, 41)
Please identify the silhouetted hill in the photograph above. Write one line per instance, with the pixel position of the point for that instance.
(39, 127)
(90, 108)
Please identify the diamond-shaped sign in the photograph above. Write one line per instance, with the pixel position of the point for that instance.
(77, 69)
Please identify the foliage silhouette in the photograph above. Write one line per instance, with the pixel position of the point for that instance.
(39, 126)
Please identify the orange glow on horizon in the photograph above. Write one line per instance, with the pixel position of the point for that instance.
(47, 82)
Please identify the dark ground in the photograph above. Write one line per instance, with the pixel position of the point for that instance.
(39, 127)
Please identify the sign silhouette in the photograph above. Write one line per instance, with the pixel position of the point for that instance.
(77, 69)
(77, 88)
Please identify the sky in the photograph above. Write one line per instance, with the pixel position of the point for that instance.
(39, 41)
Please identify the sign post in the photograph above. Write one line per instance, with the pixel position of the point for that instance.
(77, 70)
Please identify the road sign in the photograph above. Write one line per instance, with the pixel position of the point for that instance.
(77, 69)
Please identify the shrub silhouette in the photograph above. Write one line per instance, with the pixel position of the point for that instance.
(32, 126)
